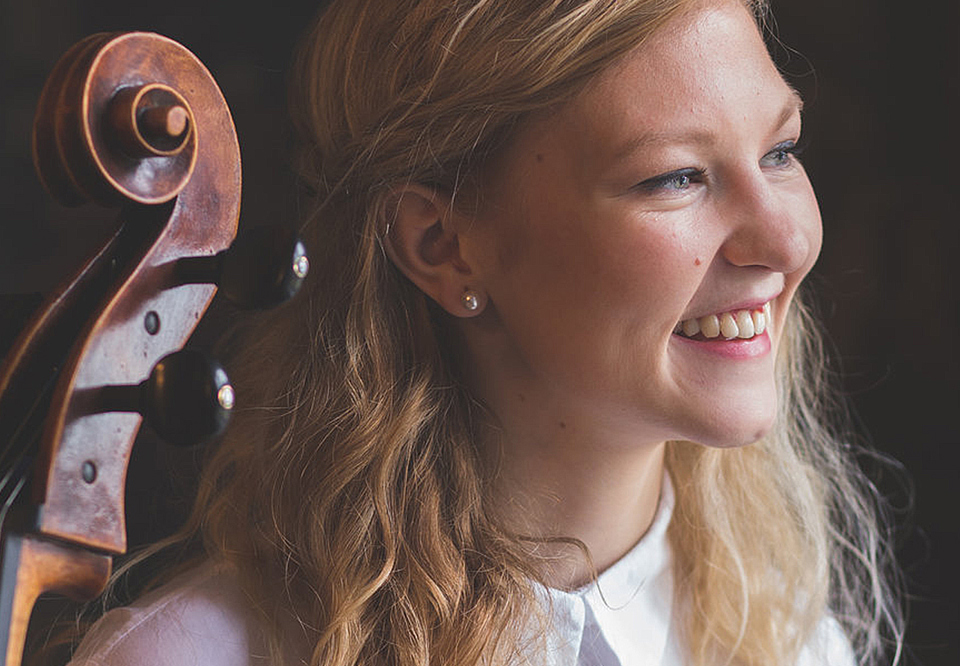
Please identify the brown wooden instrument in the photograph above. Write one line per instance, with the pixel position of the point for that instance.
(133, 120)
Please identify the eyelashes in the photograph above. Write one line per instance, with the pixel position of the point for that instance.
(674, 181)
(782, 156)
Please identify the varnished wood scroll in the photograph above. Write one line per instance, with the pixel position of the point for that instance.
(133, 120)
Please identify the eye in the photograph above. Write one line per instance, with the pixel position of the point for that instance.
(674, 182)
(783, 155)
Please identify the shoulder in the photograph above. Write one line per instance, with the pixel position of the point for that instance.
(829, 646)
(201, 617)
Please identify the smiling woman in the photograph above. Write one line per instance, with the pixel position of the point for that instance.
(552, 398)
(703, 215)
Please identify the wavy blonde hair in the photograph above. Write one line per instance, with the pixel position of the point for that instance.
(349, 492)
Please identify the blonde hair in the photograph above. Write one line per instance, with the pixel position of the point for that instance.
(349, 492)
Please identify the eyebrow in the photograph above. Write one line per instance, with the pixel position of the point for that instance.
(793, 105)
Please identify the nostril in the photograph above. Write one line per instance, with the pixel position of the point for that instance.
(782, 247)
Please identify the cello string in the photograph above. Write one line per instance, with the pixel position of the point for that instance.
(27, 434)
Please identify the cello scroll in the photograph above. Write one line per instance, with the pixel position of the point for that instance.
(133, 120)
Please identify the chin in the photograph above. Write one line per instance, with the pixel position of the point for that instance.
(737, 427)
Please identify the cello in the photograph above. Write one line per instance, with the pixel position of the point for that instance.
(131, 120)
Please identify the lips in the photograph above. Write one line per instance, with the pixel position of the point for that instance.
(742, 324)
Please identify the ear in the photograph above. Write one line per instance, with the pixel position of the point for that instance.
(422, 242)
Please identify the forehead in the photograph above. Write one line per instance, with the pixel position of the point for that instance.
(702, 56)
(699, 76)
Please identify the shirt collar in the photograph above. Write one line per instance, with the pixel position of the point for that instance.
(624, 616)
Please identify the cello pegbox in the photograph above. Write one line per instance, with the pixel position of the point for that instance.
(187, 399)
(119, 121)
(263, 268)
(136, 119)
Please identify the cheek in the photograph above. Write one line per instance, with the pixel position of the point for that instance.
(665, 257)
(622, 293)
(655, 273)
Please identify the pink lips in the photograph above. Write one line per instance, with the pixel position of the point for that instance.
(746, 304)
(736, 348)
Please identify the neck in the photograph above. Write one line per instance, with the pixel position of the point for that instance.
(567, 468)
(574, 488)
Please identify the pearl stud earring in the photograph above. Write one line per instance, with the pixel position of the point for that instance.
(470, 300)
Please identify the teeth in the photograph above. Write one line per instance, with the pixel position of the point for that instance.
(738, 324)
(710, 326)
(728, 326)
(691, 327)
(745, 324)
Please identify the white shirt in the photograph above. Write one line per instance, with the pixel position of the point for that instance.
(625, 616)
(623, 619)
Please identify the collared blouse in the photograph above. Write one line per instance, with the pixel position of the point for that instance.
(624, 618)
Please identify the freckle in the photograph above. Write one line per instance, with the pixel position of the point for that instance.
(562, 424)
(696, 262)
(522, 397)
(539, 157)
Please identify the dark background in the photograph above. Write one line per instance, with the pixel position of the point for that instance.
(881, 85)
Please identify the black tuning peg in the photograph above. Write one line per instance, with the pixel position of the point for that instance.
(261, 269)
(186, 399)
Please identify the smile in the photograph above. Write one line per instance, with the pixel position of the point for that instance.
(743, 324)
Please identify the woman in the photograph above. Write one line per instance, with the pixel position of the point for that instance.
(550, 397)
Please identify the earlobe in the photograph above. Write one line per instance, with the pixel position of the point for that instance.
(422, 242)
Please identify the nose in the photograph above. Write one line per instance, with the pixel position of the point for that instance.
(774, 224)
